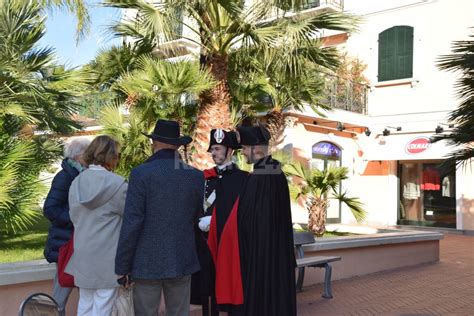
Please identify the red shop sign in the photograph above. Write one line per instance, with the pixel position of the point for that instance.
(418, 145)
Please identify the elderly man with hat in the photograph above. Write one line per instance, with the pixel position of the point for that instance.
(223, 185)
(156, 247)
(260, 278)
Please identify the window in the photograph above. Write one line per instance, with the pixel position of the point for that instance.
(396, 53)
(427, 194)
(311, 4)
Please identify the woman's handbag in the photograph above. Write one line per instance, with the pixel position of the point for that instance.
(65, 254)
(123, 305)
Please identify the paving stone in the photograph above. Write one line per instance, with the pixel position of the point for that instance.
(444, 288)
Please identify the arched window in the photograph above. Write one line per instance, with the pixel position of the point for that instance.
(325, 155)
(396, 53)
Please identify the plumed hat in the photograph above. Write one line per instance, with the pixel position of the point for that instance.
(221, 137)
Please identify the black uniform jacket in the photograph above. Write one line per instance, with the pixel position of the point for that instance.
(226, 185)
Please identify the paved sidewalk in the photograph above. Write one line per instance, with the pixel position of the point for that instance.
(443, 288)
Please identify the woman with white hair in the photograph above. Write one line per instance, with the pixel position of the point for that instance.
(97, 202)
(56, 209)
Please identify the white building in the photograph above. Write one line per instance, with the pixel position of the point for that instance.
(396, 175)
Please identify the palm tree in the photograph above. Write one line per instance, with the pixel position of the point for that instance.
(38, 91)
(461, 61)
(163, 89)
(221, 27)
(317, 187)
(34, 94)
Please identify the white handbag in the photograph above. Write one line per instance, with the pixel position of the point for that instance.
(123, 305)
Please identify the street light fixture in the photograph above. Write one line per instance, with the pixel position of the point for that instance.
(386, 131)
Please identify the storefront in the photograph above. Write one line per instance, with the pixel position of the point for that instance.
(427, 188)
(397, 176)
(428, 194)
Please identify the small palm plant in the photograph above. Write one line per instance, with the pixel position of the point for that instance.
(162, 90)
(317, 187)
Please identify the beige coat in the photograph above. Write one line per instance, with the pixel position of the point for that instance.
(96, 202)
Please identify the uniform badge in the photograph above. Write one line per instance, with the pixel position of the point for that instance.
(219, 135)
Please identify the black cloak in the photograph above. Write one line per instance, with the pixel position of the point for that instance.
(266, 243)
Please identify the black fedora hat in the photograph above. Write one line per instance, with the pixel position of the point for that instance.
(221, 137)
(168, 132)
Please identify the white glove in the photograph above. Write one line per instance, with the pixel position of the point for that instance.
(205, 223)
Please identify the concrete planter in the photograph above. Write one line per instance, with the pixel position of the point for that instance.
(376, 250)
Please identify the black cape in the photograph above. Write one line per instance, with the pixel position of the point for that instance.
(228, 185)
(266, 243)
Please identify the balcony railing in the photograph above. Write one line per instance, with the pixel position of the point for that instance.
(338, 4)
(345, 95)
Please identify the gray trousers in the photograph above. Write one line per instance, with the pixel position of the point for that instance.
(147, 296)
(60, 294)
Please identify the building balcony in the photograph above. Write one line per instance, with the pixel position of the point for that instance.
(345, 95)
(312, 7)
(336, 5)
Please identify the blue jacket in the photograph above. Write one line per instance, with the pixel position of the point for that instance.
(157, 237)
(56, 210)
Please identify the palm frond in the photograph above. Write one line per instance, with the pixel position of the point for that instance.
(72, 81)
(20, 190)
(77, 7)
(135, 148)
(113, 122)
(355, 205)
(461, 61)
(157, 19)
(297, 170)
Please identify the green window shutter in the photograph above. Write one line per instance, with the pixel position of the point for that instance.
(387, 58)
(395, 53)
(404, 52)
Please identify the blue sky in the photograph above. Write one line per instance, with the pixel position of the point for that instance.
(60, 34)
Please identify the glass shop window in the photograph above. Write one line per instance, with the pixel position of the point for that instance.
(427, 195)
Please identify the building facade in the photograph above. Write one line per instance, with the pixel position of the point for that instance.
(385, 141)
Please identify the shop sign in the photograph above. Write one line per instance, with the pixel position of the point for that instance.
(327, 150)
(417, 145)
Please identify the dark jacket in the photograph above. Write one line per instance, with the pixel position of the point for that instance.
(157, 236)
(56, 210)
(227, 185)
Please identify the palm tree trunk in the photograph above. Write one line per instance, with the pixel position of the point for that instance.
(183, 150)
(213, 111)
(317, 208)
(276, 127)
